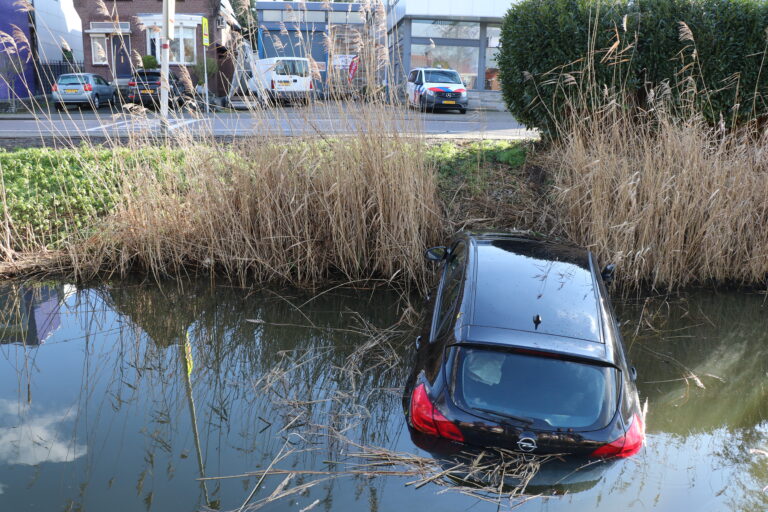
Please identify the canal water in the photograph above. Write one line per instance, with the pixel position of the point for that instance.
(134, 397)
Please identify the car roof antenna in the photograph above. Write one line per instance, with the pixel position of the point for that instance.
(536, 321)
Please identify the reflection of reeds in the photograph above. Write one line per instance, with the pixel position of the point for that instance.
(341, 410)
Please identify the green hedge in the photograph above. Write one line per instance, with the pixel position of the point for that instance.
(542, 36)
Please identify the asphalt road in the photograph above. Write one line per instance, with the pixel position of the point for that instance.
(288, 121)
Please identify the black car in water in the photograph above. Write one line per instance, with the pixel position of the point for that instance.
(522, 351)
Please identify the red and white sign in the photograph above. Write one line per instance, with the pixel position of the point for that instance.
(353, 65)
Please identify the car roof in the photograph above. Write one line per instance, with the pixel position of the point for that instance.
(533, 285)
(435, 69)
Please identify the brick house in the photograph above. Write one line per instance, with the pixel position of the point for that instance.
(112, 43)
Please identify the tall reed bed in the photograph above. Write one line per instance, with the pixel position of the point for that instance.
(332, 190)
(654, 186)
(302, 211)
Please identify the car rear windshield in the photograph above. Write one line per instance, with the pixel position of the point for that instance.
(147, 76)
(292, 67)
(547, 391)
(443, 77)
(72, 80)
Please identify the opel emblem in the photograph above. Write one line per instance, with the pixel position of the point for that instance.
(526, 444)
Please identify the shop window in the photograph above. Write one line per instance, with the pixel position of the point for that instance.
(445, 29)
(461, 58)
(493, 43)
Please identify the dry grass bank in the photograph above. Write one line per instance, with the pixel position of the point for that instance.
(296, 211)
(303, 211)
(672, 203)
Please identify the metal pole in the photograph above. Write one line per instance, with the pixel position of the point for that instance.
(205, 72)
(165, 64)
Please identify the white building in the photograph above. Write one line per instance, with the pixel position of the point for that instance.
(462, 35)
(58, 30)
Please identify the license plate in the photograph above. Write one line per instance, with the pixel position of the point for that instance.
(71, 90)
(147, 91)
(449, 102)
(283, 82)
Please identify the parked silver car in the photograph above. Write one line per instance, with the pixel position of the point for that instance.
(84, 89)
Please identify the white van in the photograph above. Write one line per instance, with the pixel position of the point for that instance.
(282, 79)
(436, 88)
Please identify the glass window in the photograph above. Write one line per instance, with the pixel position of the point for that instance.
(271, 16)
(183, 49)
(459, 58)
(493, 42)
(294, 16)
(449, 295)
(315, 16)
(442, 76)
(355, 17)
(297, 67)
(71, 80)
(549, 392)
(345, 17)
(447, 29)
(99, 49)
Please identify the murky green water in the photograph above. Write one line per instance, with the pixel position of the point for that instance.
(132, 397)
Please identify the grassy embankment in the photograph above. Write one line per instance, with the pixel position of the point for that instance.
(307, 212)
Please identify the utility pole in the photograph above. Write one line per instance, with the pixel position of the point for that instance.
(169, 13)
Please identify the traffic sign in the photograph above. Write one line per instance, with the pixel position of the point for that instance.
(206, 38)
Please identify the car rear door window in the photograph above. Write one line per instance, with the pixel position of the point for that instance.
(453, 277)
(72, 80)
(550, 391)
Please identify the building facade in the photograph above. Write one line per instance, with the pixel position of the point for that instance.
(40, 39)
(116, 40)
(328, 33)
(459, 35)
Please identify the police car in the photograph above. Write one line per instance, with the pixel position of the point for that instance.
(436, 88)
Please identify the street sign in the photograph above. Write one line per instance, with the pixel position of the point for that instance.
(206, 38)
(169, 19)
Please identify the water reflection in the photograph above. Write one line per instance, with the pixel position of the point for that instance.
(142, 396)
(36, 438)
(29, 315)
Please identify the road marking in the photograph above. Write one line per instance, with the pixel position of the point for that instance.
(181, 123)
(105, 126)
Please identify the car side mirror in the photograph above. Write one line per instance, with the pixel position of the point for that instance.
(436, 253)
(608, 273)
(633, 373)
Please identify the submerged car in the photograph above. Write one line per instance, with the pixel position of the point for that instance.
(522, 351)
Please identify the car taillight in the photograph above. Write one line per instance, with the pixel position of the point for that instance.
(131, 84)
(157, 83)
(55, 88)
(627, 445)
(273, 84)
(311, 85)
(87, 87)
(426, 418)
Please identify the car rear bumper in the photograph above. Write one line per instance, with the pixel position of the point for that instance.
(72, 98)
(291, 95)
